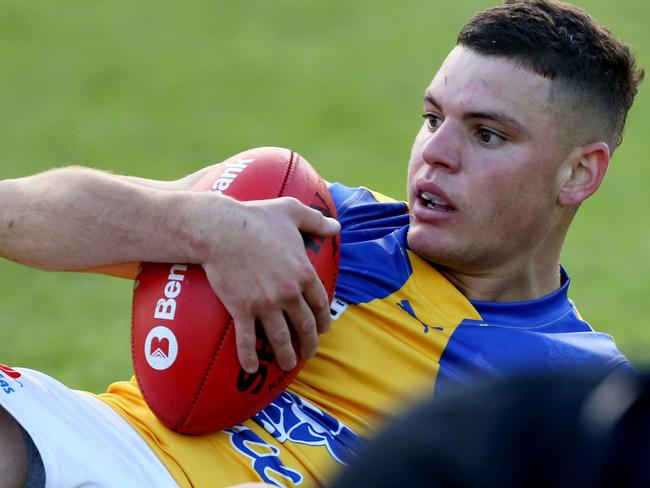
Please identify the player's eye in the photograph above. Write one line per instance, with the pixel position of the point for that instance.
(487, 136)
(433, 121)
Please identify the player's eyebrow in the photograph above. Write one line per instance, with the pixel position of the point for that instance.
(428, 99)
(496, 116)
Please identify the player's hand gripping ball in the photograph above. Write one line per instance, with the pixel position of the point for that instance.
(182, 337)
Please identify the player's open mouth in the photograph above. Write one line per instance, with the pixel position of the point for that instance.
(436, 202)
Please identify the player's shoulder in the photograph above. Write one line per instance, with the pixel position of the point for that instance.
(360, 207)
(374, 260)
(349, 196)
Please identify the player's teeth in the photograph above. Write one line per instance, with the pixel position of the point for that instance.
(433, 198)
(439, 207)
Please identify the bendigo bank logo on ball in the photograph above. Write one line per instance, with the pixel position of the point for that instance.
(160, 348)
(231, 172)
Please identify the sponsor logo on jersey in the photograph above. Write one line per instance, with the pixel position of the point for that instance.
(264, 457)
(291, 419)
(160, 348)
(406, 306)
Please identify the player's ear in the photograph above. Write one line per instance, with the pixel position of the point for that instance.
(583, 172)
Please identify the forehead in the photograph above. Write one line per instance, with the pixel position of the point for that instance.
(471, 82)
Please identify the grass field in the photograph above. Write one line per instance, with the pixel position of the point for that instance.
(158, 89)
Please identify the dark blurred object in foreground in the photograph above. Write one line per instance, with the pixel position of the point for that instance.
(560, 430)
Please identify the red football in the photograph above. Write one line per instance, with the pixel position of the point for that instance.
(182, 337)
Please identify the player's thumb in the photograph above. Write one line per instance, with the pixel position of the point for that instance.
(314, 222)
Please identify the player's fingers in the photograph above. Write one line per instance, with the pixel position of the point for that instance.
(317, 300)
(303, 325)
(245, 340)
(278, 334)
(313, 221)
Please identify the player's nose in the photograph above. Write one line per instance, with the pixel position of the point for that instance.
(443, 147)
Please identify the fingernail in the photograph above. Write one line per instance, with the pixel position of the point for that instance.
(334, 224)
(250, 368)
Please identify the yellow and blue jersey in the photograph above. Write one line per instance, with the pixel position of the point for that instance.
(401, 332)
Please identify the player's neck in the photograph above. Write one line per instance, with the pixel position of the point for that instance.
(521, 284)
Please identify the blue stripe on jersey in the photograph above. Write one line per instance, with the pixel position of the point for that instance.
(479, 352)
(374, 263)
(524, 337)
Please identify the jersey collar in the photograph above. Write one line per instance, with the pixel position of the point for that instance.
(540, 311)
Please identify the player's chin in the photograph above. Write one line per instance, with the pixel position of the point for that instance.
(430, 243)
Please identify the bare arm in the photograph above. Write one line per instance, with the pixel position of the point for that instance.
(77, 218)
(184, 183)
(129, 270)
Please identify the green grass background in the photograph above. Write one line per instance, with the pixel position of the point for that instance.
(160, 88)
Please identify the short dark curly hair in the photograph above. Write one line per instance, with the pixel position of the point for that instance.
(563, 43)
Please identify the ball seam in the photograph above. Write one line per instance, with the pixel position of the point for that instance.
(289, 173)
(199, 391)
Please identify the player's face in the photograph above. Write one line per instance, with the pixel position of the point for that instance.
(484, 168)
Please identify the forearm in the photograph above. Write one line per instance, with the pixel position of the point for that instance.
(185, 183)
(76, 218)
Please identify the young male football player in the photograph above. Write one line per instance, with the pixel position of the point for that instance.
(461, 285)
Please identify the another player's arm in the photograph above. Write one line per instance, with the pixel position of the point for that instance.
(78, 218)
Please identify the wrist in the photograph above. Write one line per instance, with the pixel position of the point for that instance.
(206, 218)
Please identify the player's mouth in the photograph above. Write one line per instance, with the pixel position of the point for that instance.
(436, 202)
(432, 206)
